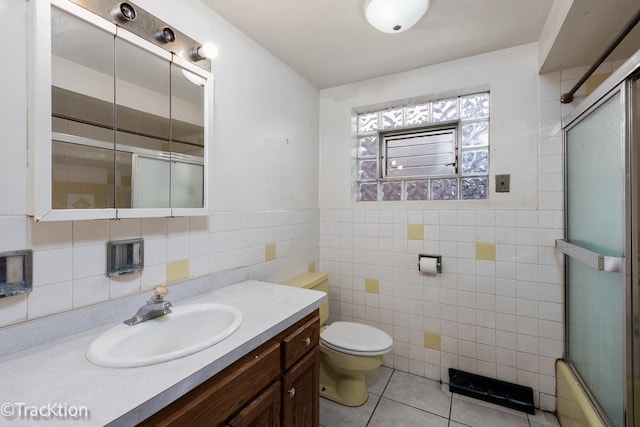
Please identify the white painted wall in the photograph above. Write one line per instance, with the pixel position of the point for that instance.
(260, 103)
(512, 78)
(263, 178)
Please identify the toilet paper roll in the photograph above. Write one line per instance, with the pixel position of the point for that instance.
(429, 265)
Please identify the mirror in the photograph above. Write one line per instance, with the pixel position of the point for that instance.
(82, 114)
(128, 122)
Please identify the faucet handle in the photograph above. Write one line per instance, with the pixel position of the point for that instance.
(159, 292)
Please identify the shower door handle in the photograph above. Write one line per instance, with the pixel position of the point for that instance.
(592, 259)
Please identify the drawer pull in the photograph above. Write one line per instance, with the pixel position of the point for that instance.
(292, 392)
(307, 341)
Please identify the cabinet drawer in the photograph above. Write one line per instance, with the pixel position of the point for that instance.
(299, 342)
(214, 401)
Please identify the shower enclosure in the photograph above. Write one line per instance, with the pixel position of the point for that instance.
(602, 138)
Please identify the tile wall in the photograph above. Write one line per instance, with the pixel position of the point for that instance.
(498, 315)
(497, 308)
(70, 257)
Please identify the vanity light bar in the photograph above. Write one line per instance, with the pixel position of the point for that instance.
(143, 24)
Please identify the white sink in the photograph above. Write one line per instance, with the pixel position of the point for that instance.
(186, 330)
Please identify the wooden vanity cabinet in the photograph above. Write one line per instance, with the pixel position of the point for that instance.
(264, 411)
(301, 392)
(276, 384)
(301, 376)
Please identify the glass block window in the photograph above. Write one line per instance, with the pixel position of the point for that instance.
(392, 190)
(436, 150)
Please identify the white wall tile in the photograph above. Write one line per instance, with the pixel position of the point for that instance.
(199, 266)
(527, 344)
(90, 233)
(124, 285)
(506, 357)
(154, 275)
(178, 248)
(89, 261)
(153, 228)
(90, 290)
(155, 251)
(551, 330)
(506, 323)
(125, 229)
(50, 235)
(431, 217)
(14, 233)
(52, 266)
(49, 299)
(13, 310)
(198, 245)
(551, 311)
(506, 339)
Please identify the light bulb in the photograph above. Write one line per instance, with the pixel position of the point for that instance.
(208, 50)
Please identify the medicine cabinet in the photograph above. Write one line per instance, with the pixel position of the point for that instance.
(120, 125)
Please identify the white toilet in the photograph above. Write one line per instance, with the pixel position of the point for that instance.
(348, 350)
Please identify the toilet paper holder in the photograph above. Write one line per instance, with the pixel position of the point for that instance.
(438, 259)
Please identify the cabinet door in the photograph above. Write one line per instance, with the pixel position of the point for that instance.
(301, 394)
(264, 411)
(217, 399)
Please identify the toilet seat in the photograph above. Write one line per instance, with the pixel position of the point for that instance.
(356, 339)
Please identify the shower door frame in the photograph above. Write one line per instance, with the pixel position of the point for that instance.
(623, 82)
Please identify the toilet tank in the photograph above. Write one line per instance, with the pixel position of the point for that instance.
(317, 282)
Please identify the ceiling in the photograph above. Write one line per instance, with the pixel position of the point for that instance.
(585, 31)
(330, 43)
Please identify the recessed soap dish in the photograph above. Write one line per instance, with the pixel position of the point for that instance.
(125, 257)
(15, 273)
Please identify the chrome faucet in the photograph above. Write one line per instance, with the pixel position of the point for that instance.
(155, 307)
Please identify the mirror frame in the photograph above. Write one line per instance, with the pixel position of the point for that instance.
(39, 117)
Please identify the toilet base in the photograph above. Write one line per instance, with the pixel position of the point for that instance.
(346, 389)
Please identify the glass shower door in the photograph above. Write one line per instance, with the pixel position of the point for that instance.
(596, 238)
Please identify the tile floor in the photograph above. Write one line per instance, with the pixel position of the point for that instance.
(404, 400)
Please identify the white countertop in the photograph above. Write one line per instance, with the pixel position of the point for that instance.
(58, 373)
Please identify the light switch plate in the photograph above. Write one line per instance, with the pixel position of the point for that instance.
(503, 183)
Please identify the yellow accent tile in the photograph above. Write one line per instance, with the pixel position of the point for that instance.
(177, 270)
(486, 251)
(270, 252)
(415, 231)
(372, 286)
(312, 267)
(594, 81)
(431, 341)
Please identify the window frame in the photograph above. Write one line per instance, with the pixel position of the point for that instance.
(431, 129)
(466, 113)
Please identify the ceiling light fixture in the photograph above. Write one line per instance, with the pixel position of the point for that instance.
(394, 16)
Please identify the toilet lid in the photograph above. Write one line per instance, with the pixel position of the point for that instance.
(356, 338)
